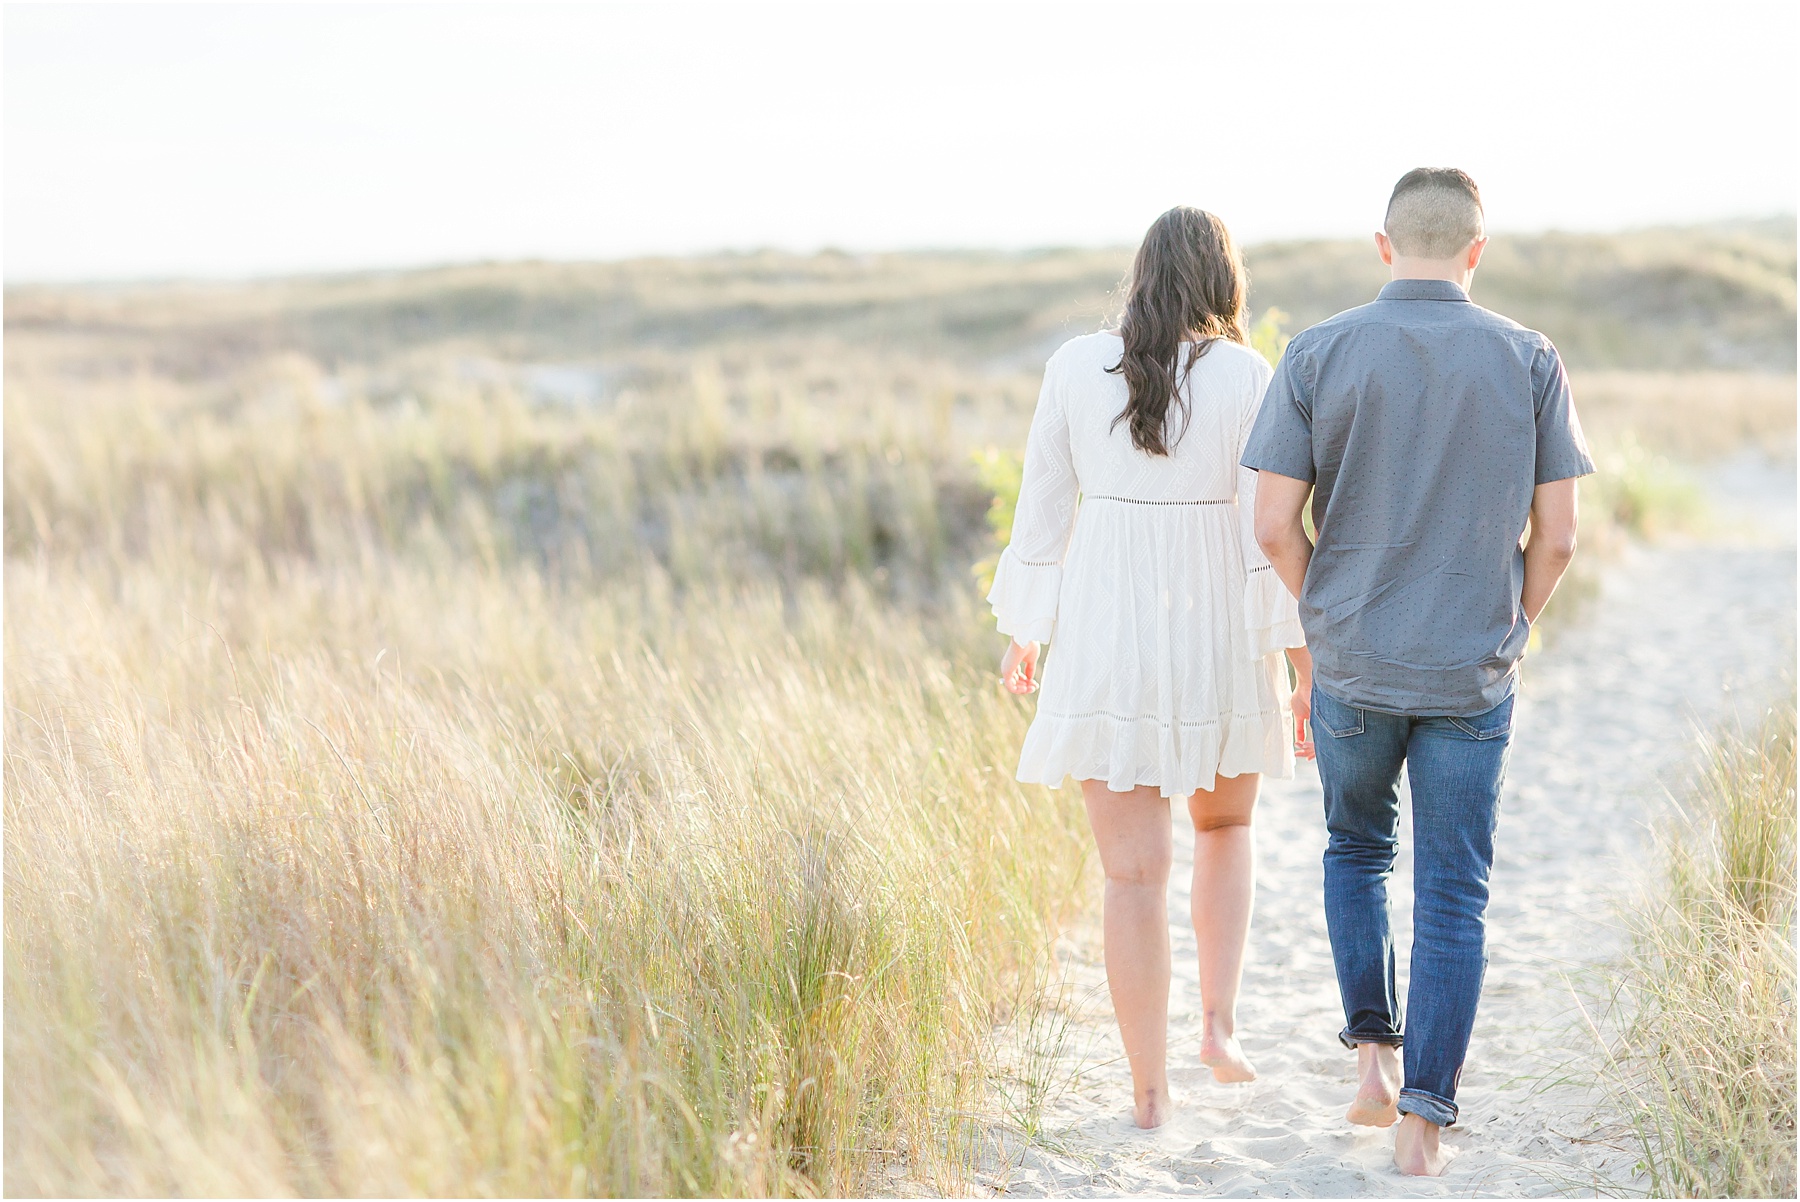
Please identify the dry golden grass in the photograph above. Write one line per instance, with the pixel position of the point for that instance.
(1689, 415)
(1704, 1064)
(745, 467)
(415, 785)
(391, 881)
(457, 796)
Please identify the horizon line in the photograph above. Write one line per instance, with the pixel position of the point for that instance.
(423, 267)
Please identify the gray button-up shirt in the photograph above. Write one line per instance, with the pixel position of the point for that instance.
(1424, 422)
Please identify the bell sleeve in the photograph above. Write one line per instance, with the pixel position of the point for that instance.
(1029, 576)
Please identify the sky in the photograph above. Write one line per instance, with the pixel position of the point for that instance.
(224, 140)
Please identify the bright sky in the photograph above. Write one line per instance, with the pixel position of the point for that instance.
(147, 140)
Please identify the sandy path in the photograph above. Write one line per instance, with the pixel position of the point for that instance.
(1680, 636)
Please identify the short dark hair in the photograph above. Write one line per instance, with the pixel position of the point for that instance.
(1434, 212)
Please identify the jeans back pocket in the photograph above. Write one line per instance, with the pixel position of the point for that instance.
(1492, 724)
(1332, 716)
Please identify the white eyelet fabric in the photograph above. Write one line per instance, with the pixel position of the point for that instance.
(1166, 623)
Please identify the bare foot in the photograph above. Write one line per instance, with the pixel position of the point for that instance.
(1151, 1109)
(1417, 1152)
(1221, 1052)
(1378, 1086)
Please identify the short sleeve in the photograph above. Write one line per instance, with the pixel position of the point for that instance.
(1281, 439)
(1562, 450)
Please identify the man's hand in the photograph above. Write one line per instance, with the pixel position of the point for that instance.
(1279, 530)
(1019, 668)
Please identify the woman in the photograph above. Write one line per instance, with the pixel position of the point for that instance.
(1133, 545)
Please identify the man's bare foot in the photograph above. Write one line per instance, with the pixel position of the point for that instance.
(1417, 1150)
(1151, 1108)
(1221, 1052)
(1378, 1086)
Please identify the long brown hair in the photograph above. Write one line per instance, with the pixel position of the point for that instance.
(1187, 280)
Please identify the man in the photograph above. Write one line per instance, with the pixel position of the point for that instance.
(1428, 430)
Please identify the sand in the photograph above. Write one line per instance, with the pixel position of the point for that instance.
(1681, 635)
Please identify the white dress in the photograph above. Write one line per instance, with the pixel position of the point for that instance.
(1165, 622)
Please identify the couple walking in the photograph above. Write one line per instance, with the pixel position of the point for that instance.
(1159, 546)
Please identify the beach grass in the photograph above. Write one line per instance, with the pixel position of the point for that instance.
(402, 881)
(456, 795)
(473, 741)
(1702, 1064)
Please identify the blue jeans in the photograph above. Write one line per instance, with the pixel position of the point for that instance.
(1454, 766)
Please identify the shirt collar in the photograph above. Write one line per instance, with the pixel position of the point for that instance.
(1436, 290)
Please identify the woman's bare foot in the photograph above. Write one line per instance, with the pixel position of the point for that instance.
(1378, 1086)
(1221, 1052)
(1151, 1108)
(1417, 1150)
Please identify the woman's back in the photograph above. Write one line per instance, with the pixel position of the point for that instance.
(1144, 570)
(1221, 391)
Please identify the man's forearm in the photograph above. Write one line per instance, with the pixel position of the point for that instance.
(1551, 544)
(1545, 564)
(1280, 528)
(1289, 553)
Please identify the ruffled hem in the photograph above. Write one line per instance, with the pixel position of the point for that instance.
(1178, 758)
(1271, 614)
(1024, 597)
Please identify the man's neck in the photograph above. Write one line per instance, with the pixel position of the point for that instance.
(1431, 269)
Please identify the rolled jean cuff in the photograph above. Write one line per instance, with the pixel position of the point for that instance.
(1428, 1106)
(1350, 1038)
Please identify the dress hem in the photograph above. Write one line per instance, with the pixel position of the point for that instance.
(1177, 757)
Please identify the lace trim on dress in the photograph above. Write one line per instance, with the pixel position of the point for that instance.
(1153, 718)
(1101, 496)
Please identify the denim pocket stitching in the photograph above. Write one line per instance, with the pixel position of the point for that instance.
(1339, 734)
(1473, 733)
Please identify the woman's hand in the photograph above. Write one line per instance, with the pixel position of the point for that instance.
(1019, 668)
(1301, 702)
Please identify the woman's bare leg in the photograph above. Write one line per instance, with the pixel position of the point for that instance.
(1136, 849)
(1224, 886)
